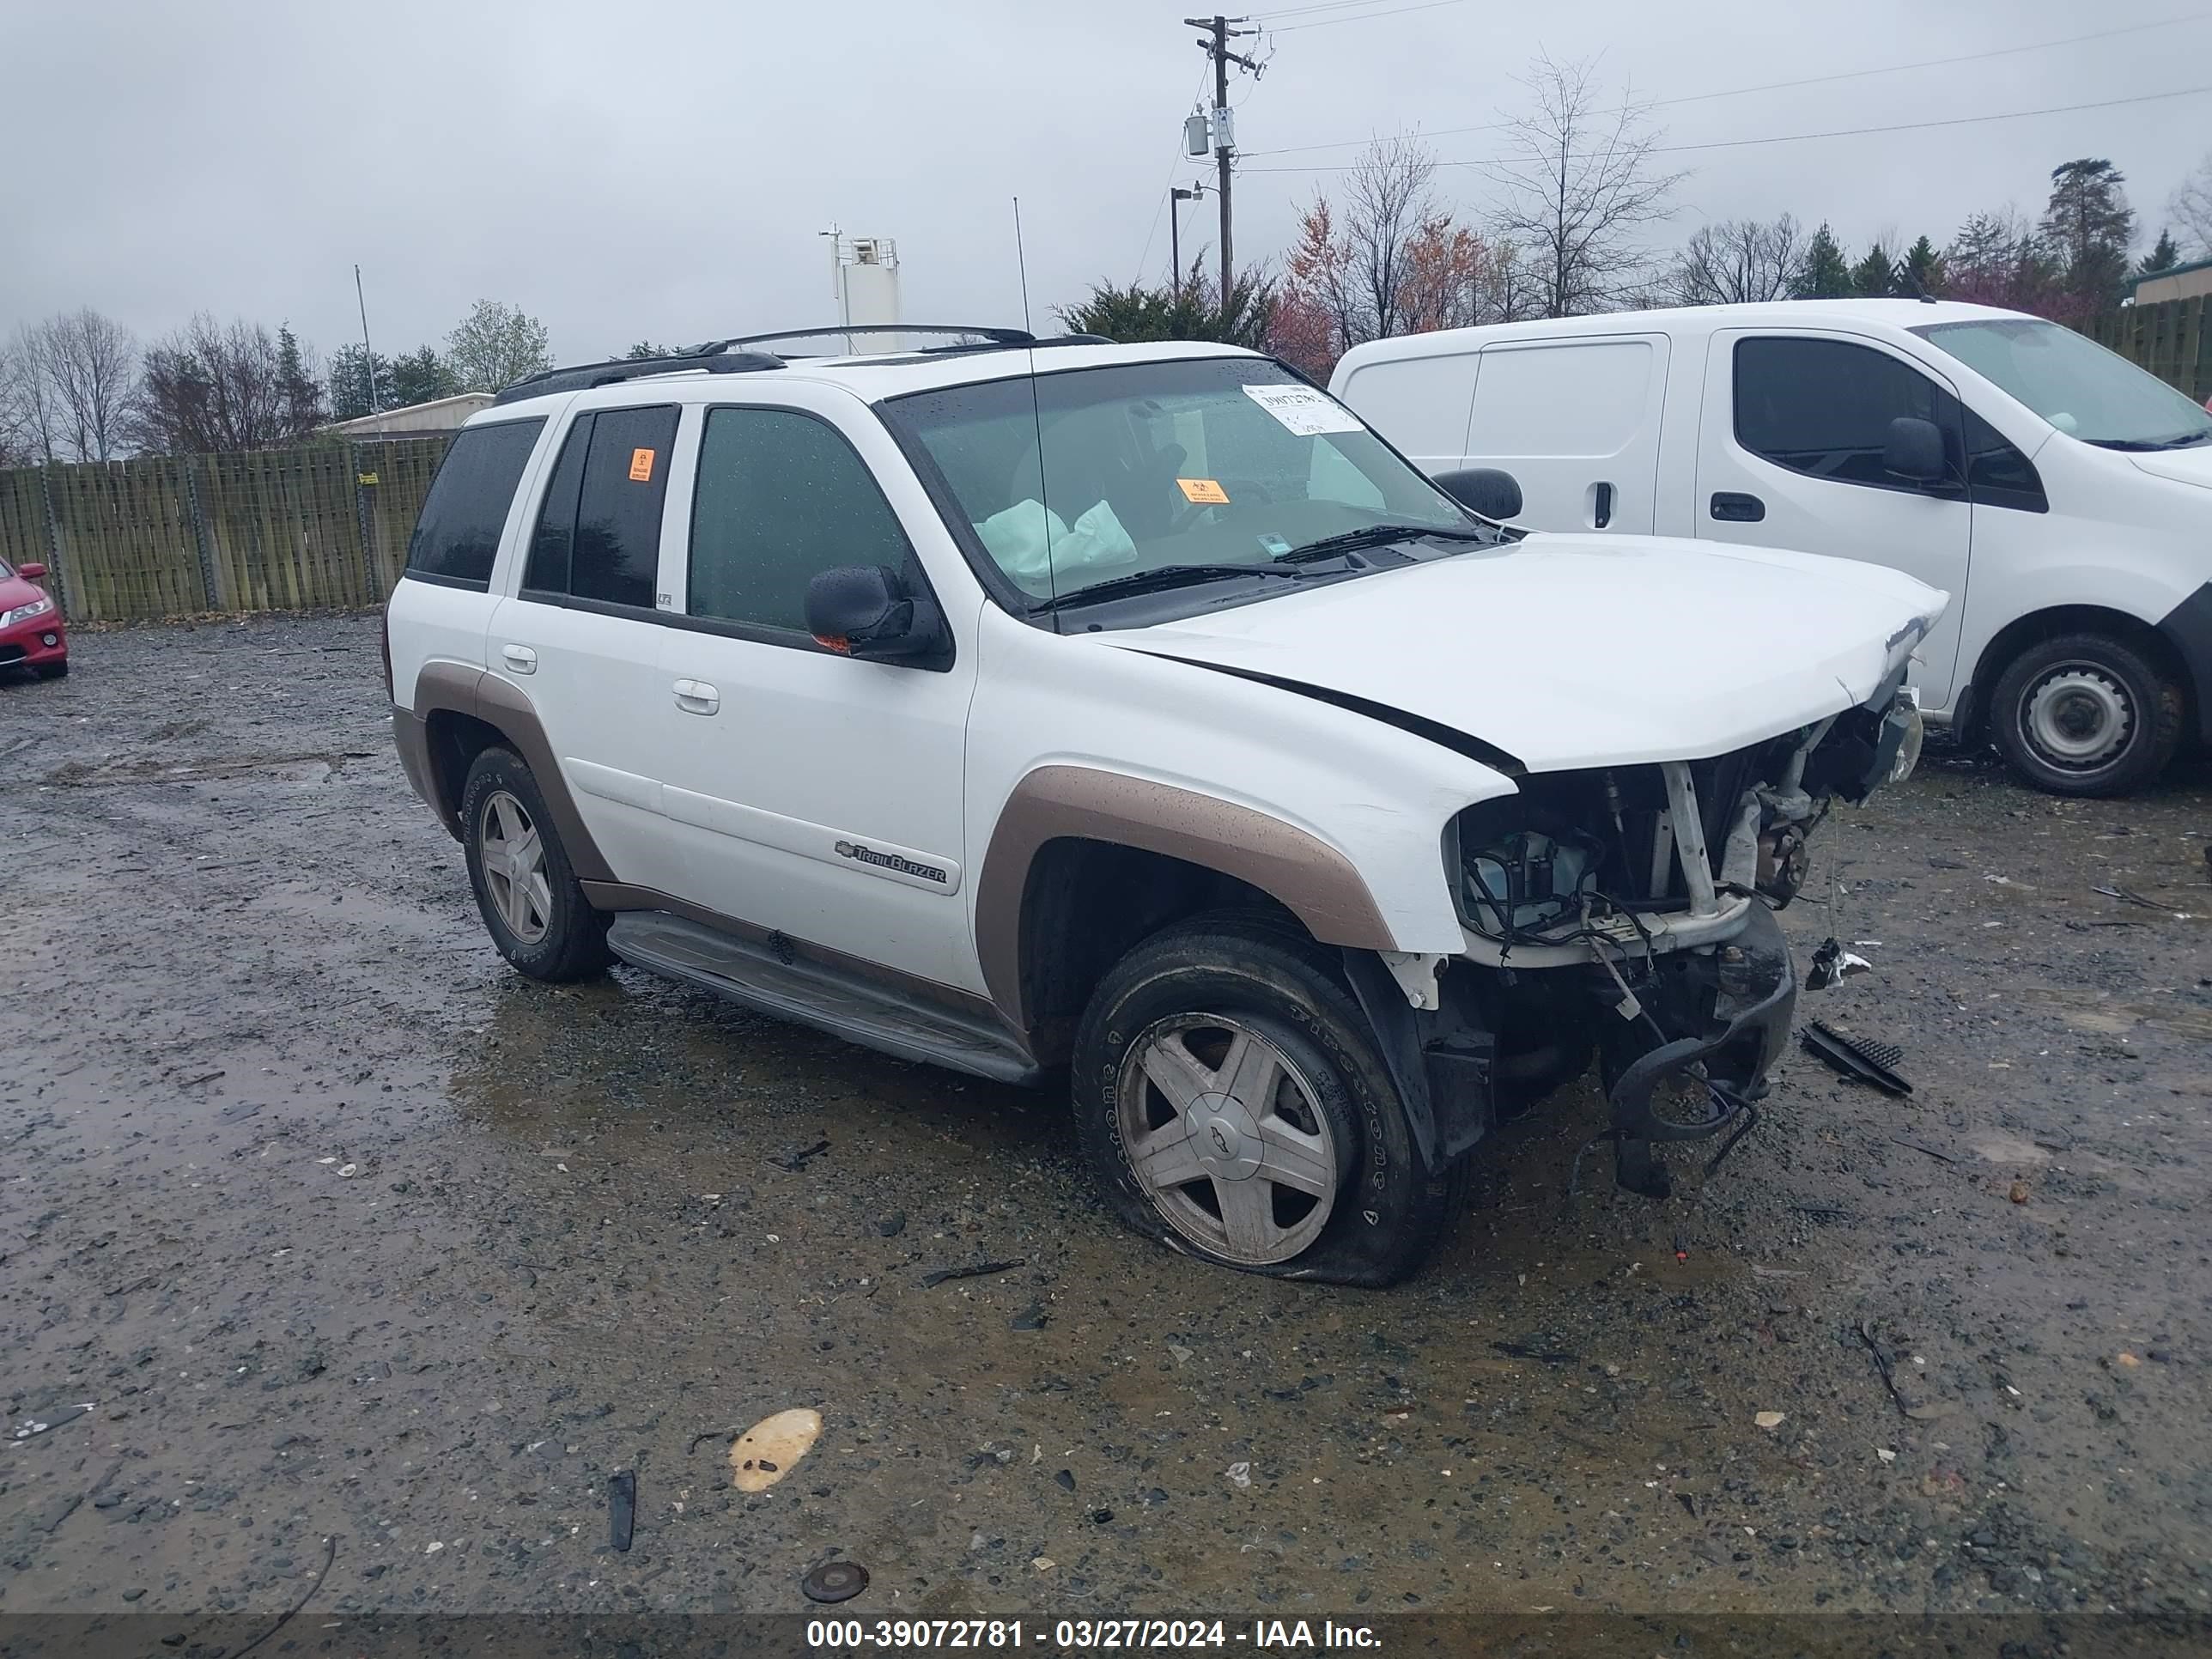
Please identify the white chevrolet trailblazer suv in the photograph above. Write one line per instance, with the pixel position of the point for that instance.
(1020, 704)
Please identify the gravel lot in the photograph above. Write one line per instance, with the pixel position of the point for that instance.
(357, 1242)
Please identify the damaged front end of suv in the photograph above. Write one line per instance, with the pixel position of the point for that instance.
(1628, 911)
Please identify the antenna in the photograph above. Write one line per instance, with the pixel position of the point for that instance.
(1021, 262)
(367, 355)
(1036, 416)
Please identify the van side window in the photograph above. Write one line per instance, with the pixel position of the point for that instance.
(457, 535)
(1998, 475)
(781, 498)
(1823, 407)
(599, 529)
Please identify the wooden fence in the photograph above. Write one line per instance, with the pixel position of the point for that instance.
(324, 524)
(2172, 339)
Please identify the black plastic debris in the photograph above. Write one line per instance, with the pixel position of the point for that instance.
(622, 1507)
(796, 1158)
(1861, 1063)
(834, 1581)
(974, 1270)
(1832, 965)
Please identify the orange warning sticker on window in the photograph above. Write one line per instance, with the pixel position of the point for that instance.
(641, 466)
(1203, 489)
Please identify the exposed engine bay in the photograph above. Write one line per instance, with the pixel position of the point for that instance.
(1627, 911)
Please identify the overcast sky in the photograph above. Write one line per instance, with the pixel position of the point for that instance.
(636, 170)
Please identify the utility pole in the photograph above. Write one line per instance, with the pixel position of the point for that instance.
(367, 353)
(1225, 144)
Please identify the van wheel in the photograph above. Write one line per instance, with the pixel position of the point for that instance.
(525, 890)
(2084, 715)
(1232, 1104)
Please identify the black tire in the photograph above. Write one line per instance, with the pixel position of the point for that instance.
(51, 671)
(573, 943)
(2086, 689)
(1387, 1212)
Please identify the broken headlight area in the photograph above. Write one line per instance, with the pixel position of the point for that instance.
(1628, 911)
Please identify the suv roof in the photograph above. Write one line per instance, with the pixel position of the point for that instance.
(1000, 354)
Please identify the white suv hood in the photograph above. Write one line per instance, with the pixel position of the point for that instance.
(1573, 651)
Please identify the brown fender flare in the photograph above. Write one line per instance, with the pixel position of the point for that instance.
(1310, 878)
(457, 689)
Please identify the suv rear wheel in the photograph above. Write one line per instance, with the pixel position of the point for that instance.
(2085, 714)
(1233, 1106)
(525, 890)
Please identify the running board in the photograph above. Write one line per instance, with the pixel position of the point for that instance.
(809, 992)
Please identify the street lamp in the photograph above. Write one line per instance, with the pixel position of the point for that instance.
(1174, 230)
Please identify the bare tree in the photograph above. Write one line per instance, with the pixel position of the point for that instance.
(1737, 262)
(210, 389)
(2191, 208)
(65, 394)
(1387, 212)
(1580, 182)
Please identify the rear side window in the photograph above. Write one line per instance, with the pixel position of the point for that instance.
(781, 498)
(456, 536)
(1823, 407)
(1586, 399)
(599, 529)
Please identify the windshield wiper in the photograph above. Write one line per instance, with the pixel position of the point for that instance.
(2184, 440)
(2137, 445)
(1378, 535)
(1166, 576)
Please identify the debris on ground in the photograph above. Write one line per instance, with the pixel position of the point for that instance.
(1855, 1060)
(834, 1581)
(33, 1427)
(892, 1226)
(1832, 965)
(2019, 1192)
(763, 1454)
(977, 1270)
(1770, 1420)
(1239, 1475)
(1031, 1318)
(622, 1508)
(796, 1159)
(1881, 1364)
(1065, 1480)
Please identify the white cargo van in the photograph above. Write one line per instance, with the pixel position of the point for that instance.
(2061, 494)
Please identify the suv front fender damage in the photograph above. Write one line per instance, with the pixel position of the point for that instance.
(1628, 911)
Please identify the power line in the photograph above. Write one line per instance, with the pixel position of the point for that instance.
(1153, 234)
(1802, 137)
(1361, 17)
(1783, 86)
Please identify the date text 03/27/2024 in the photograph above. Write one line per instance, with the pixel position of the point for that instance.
(1262, 1636)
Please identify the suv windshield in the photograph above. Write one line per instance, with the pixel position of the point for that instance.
(2074, 383)
(1206, 466)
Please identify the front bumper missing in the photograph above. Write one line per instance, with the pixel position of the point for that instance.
(1710, 1080)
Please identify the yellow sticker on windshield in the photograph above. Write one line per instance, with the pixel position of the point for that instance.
(1203, 489)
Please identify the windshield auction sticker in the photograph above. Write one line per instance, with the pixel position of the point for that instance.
(1304, 410)
(1208, 490)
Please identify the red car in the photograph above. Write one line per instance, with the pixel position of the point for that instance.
(31, 632)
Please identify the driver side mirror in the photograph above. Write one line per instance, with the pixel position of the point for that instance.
(1914, 451)
(30, 573)
(865, 611)
(1483, 490)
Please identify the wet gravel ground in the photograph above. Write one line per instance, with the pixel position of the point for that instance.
(356, 1242)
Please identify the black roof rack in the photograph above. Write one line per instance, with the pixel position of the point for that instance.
(714, 358)
(729, 356)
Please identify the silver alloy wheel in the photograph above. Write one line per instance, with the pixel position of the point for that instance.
(2077, 716)
(514, 859)
(1226, 1137)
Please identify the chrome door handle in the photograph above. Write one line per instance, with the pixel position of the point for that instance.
(697, 697)
(520, 658)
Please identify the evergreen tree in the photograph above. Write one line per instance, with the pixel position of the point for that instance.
(300, 392)
(416, 377)
(354, 371)
(2164, 257)
(1922, 271)
(1192, 311)
(1874, 275)
(2086, 230)
(1824, 273)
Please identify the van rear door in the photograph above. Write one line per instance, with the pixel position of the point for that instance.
(1790, 454)
(1577, 422)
